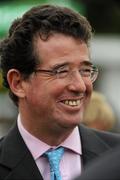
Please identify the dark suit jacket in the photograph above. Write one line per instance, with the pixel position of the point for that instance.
(17, 163)
(105, 168)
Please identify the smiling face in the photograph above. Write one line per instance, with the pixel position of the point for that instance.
(58, 103)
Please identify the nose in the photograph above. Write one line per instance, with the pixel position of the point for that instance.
(76, 83)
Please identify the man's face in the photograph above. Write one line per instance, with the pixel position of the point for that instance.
(59, 102)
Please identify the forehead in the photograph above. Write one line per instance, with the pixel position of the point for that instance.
(60, 48)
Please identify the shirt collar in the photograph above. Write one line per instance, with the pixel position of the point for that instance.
(73, 142)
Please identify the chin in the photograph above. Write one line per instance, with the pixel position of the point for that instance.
(70, 124)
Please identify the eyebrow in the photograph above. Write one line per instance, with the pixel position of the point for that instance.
(88, 63)
(59, 65)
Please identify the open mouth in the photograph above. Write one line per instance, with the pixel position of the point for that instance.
(71, 102)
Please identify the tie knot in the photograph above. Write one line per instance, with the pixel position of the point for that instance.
(54, 157)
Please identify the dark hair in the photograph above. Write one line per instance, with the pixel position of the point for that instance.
(17, 50)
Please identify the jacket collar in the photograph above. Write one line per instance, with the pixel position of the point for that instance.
(16, 158)
(92, 145)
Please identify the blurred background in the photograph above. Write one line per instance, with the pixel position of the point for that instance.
(104, 17)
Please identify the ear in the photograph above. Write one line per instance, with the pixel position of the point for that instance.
(15, 81)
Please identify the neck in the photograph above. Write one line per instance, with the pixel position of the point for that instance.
(53, 137)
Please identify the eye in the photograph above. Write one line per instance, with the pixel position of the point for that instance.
(62, 72)
(86, 71)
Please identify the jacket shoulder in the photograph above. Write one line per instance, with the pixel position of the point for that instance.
(109, 138)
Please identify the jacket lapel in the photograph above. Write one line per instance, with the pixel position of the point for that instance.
(16, 160)
(92, 145)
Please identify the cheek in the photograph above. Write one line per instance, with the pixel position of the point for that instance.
(33, 93)
(43, 92)
(89, 89)
(37, 101)
(54, 89)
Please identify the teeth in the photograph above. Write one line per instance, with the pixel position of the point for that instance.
(72, 102)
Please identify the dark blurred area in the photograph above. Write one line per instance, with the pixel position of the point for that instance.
(103, 15)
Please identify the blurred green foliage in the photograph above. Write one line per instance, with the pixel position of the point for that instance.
(10, 10)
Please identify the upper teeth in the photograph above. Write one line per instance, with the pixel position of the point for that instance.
(72, 102)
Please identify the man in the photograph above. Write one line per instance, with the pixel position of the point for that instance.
(105, 168)
(46, 66)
